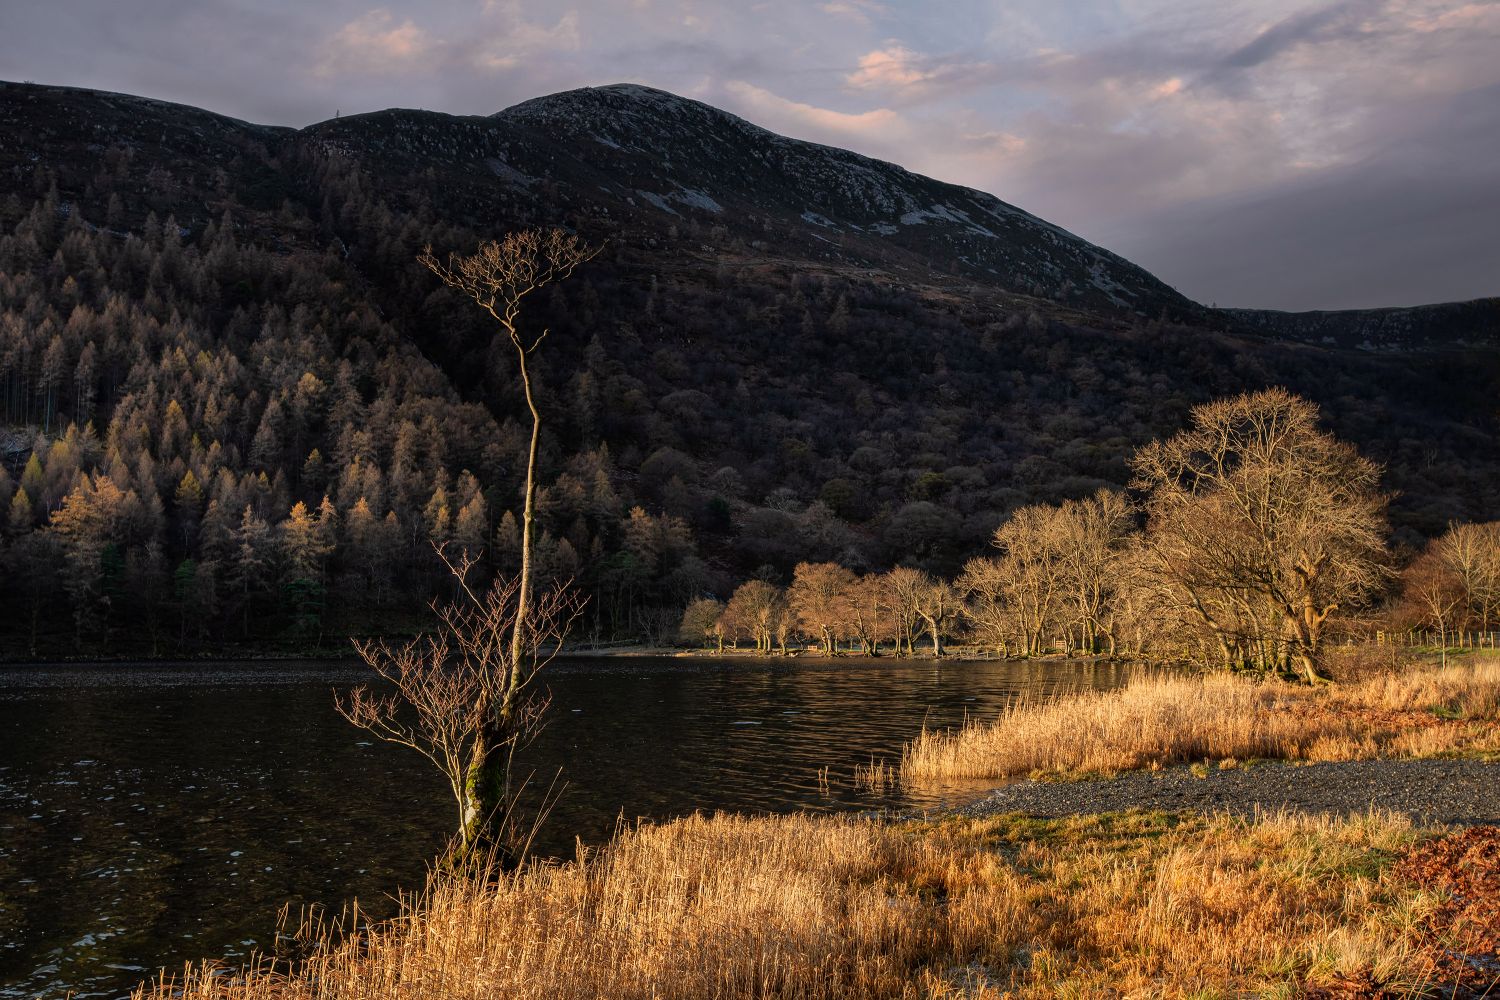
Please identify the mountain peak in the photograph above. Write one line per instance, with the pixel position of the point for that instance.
(613, 114)
(684, 158)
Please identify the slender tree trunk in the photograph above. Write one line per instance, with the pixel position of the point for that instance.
(523, 595)
(487, 780)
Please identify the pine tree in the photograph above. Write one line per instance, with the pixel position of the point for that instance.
(21, 517)
(251, 567)
(301, 546)
(472, 525)
(437, 517)
(187, 500)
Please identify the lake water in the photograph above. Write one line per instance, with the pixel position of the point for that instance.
(151, 815)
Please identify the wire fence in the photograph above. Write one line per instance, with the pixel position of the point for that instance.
(1435, 638)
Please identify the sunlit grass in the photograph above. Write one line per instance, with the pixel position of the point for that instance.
(1142, 905)
(1161, 720)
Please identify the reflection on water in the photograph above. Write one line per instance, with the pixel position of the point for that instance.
(151, 816)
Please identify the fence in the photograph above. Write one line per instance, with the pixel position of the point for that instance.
(1432, 637)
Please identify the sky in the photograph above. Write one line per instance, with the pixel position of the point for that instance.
(1270, 153)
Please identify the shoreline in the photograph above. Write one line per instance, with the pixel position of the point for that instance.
(570, 657)
(1446, 791)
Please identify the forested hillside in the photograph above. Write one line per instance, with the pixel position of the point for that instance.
(234, 408)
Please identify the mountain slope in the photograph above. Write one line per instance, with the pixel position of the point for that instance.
(765, 365)
(1402, 329)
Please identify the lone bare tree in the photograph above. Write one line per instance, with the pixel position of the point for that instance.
(451, 689)
(469, 685)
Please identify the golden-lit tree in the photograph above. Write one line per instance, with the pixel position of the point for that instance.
(702, 620)
(1471, 554)
(817, 600)
(1031, 572)
(754, 610)
(868, 611)
(1433, 594)
(1264, 524)
(1091, 535)
(937, 606)
(986, 604)
(903, 585)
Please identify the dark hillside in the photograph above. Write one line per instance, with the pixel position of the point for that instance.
(786, 352)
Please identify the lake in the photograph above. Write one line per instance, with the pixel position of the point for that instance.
(153, 815)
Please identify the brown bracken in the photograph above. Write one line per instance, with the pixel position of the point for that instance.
(1463, 935)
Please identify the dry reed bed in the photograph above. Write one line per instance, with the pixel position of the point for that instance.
(837, 907)
(1162, 720)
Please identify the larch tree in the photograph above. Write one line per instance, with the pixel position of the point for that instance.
(90, 519)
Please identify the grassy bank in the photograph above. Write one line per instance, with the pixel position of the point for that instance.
(1161, 720)
(841, 907)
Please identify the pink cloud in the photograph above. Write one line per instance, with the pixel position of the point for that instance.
(374, 41)
(893, 66)
(762, 102)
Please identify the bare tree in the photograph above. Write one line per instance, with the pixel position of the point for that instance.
(817, 599)
(986, 606)
(1092, 532)
(1142, 615)
(1265, 523)
(753, 611)
(1434, 593)
(1471, 553)
(1031, 571)
(868, 606)
(465, 701)
(703, 620)
(938, 605)
(903, 584)
(499, 276)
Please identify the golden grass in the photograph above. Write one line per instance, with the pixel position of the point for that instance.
(1162, 720)
(1132, 905)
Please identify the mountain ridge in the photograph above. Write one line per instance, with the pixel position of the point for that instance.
(866, 212)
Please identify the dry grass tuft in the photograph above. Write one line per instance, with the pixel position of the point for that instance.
(1165, 720)
(1132, 905)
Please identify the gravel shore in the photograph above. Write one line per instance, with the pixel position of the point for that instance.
(1458, 792)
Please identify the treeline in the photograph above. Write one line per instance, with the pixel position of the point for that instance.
(1254, 536)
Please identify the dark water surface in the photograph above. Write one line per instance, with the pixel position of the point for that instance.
(152, 815)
